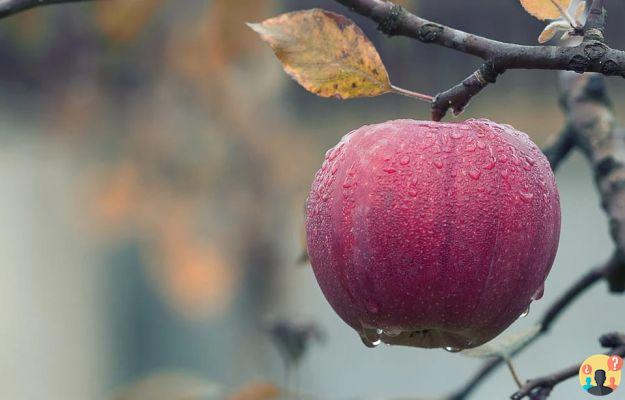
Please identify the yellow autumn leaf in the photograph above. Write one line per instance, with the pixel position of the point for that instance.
(326, 53)
(545, 9)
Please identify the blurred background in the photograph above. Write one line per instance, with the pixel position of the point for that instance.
(154, 162)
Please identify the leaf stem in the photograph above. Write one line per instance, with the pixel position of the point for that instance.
(574, 24)
(414, 95)
(513, 372)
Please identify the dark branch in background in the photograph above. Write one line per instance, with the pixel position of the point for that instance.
(540, 388)
(557, 151)
(592, 55)
(602, 140)
(10, 7)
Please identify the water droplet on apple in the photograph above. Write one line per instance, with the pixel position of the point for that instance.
(526, 312)
(370, 343)
(526, 197)
(452, 349)
(490, 165)
(371, 337)
(475, 174)
(404, 160)
(392, 332)
(438, 164)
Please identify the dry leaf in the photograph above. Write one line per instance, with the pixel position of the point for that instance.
(545, 9)
(326, 53)
(580, 11)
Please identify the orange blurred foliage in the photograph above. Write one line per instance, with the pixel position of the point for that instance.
(256, 391)
(195, 276)
(123, 20)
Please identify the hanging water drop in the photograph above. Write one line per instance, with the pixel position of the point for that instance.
(539, 293)
(526, 312)
(370, 343)
(371, 337)
(452, 349)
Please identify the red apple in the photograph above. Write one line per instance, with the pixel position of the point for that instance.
(433, 234)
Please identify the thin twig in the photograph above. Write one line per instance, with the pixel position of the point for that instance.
(513, 372)
(540, 388)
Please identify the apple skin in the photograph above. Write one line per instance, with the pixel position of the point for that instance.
(433, 234)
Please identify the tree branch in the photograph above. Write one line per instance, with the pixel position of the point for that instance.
(592, 55)
(557, 151)
(602, 140)
(11, 7)
(540, 388)
(595, 23)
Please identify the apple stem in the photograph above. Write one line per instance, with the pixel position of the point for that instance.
(513, 372)
(414, 95)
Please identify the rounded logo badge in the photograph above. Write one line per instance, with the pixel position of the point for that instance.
(600, 375)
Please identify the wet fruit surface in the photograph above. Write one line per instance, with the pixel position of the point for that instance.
(433, 234)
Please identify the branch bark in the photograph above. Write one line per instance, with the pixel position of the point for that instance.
(560, 148)
(11, 7)
(592, 55)
(602, 140)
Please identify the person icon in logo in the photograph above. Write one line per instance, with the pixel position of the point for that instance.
(612, 384)
(588, 384)
(600, 389)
